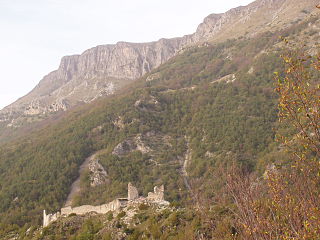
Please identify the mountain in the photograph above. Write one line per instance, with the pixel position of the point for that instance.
(182, 124)
(103, 70)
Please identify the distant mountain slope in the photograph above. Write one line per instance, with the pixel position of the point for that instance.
(208, 106)
(104, 69)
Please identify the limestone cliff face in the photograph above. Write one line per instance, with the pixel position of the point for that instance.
(102, 70)
(97, 72)
(259, 16)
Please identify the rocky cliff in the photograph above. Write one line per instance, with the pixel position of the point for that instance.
(102, 70)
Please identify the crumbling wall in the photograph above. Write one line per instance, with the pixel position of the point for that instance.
(102, 209)
(47, 219)
(157, 195)
(133, 195)
(132, 192)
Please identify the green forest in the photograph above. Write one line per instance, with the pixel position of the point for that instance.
(190, 105)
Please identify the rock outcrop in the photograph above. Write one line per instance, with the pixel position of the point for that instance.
(98, 174)
(138, 143)
(124, 147)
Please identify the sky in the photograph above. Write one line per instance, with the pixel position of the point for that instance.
(35, 34)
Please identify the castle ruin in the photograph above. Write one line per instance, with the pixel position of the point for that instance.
(157, 194)
(132, 192)
(156, 197)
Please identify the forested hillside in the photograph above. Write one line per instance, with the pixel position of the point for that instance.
(214, 105)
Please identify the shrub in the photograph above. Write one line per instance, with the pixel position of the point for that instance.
(121, 214)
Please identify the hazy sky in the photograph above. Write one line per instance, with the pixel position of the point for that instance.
(35, 34)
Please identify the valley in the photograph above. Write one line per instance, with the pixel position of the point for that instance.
(201, 115)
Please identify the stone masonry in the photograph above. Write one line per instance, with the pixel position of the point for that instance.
(132, 192)
(156, 197)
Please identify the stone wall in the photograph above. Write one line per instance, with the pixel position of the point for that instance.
(102, 209)
(132, 192)
(47, 219)
(157, 195)
(133, 197)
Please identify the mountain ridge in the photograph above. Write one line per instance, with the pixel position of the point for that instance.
(104, 69)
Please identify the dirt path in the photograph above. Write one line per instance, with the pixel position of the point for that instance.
(186, 161)
(75, 187)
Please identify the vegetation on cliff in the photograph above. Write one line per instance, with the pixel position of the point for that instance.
(190, 104)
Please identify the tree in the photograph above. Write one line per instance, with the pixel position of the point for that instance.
(286, 205)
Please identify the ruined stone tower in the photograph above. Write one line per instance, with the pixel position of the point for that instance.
(47, 219)
(157, 194)
(132, 192)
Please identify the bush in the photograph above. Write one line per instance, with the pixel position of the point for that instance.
(109, 216)
(121, 214)
(143, 207)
